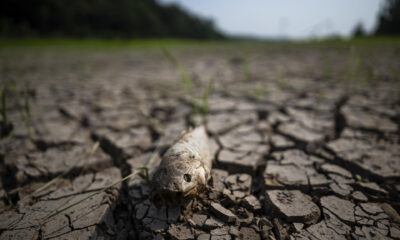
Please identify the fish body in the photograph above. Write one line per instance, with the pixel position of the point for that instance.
(184, 169)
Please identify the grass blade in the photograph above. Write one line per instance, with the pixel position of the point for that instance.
(138, 170)
(54, 180)
(92, 195)
(206, 96)
(186, 82)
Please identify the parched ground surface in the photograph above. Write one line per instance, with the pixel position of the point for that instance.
(305, 139)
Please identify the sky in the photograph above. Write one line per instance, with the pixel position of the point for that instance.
(294, 19)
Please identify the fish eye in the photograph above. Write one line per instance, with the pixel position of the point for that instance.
(187, 177)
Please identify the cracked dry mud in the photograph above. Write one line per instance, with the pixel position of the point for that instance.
(299, 153)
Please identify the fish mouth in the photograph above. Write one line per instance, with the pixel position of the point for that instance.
(172, 198)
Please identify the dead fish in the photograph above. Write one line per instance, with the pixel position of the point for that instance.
(184, 169)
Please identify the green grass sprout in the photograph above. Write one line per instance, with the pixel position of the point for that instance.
(186, 82)
(206, 96)
(246, 70)
(282, 82)
(201, 106)
(145, 175)
(260, 91)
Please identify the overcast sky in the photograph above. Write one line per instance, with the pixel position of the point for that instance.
(286, 18)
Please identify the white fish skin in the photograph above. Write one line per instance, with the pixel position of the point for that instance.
(184, 169)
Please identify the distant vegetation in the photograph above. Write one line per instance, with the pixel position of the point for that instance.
(389, 19)
(101, 18)
(387, 23)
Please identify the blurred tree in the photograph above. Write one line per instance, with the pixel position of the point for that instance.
(101, 18)
(359, 30)
(389, 19)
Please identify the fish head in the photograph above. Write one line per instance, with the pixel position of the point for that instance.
(173, 183)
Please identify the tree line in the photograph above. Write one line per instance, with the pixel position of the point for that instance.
(131, 19)
(388, 22)
(102, 18)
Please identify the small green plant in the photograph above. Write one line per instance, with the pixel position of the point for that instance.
(206, 96)
(246, 70)
(144, 174)
(282, 83)
(353, 75)
(242, 62)
(260, 91)
(186, 82)
(201, 107)
(359, 178)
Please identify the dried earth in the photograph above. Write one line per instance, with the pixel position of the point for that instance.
(305, 139)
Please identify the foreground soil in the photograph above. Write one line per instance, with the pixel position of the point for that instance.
(305, 139)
